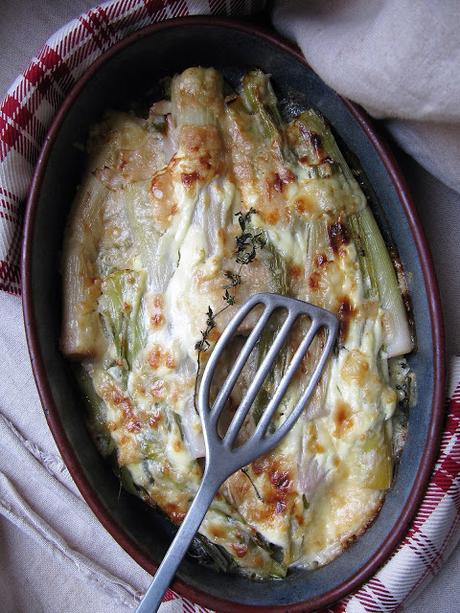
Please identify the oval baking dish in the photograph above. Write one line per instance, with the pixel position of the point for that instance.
(127, 74)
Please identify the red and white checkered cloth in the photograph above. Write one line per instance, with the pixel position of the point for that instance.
(25, 115)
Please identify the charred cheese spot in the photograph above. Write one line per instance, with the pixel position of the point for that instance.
(156, 311)
(345, 313)
(240, 549)
(272, 216)
(178, 445)
(338, 235)
(305, 204)
(296, 271)
(203, 149)
(355, 368)
(162, 196)
(261, 465)
(158, 356)
(156, 418)
(342, 418)
(314, 280)
(314, 446)
(280, 180)
(113, 396)
(189, 178)
(128, 451)
(218, 531)
(280, 480)
(154, 357)
(174, 513)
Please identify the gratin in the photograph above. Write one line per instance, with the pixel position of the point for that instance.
(179, 218)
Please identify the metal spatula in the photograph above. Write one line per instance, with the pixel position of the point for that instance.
(222, 457)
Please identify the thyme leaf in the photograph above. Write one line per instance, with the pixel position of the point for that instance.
(234, 278)
(247, 242)
(228, 298)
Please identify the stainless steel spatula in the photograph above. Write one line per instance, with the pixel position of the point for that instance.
(222, 457)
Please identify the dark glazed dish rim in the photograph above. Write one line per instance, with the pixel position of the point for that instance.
(44, 386)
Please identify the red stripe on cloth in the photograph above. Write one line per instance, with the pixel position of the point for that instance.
(55, 68)
(14, 120)
(339, 607)
(9, 277)
(127, 20)
(8, 194)
(164, 9)
(178, 8)
(14, 111)
(48, 68)
(10, 280)
(453, 420)
(431, 501)
(10, 216)
(217, 6)
(49, 58)
(382, 593)
(450, 467)
(421, 579)
(442, 480)
(10, 106)
(95, 34)
(188, 606)
(100, 26)
(169, 595)
(82, 46)
(8, 205)
(45, 90)
(156, 8)
(105, 19)
(9, 138)
(426, 550)
(34, 73)
(117, 8)
(23, 117)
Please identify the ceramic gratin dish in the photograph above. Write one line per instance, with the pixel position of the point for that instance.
(129, 74)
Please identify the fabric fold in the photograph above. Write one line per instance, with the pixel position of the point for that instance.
(16, 510)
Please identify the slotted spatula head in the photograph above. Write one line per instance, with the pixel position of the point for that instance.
(221, 452)
(223, 457)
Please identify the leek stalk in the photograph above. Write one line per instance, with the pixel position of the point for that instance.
(81, 335)
(381, 280)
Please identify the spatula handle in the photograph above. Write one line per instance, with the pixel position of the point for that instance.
(178, 547)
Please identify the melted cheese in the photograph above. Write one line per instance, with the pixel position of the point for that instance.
(176, 223)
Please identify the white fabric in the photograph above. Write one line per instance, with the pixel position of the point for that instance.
(54, 554)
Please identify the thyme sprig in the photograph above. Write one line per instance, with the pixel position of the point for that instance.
(247, 244)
